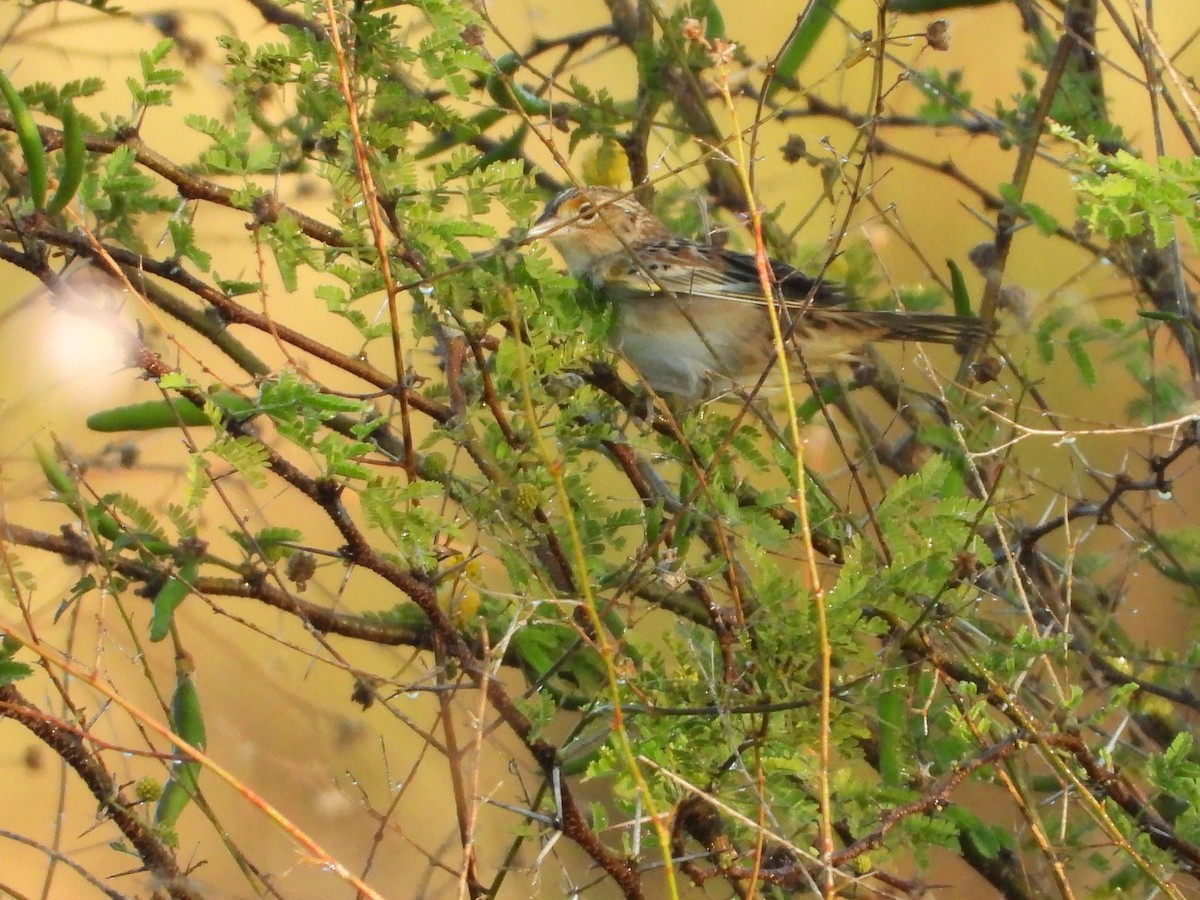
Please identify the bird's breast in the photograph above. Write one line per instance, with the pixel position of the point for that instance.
(692, 347)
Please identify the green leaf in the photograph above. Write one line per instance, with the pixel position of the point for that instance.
(1177, 555)
(989, 840)
(183, 236)
(272, 542)
(169, 413)
(29, 139)
(167, 600)
(74, 160)
(801, 45)
(58, 478)
(187, 718)
(945, 98)
(187, 721)
(12, 671)
(1040, 218)
(714, 22)
(140, 529)
(245, 454)
(196, 480)
(1079, 356)
(145, 93)
(958, 289)
(174, 800)
(890, 710)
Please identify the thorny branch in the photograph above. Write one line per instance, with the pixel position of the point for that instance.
(28, 244)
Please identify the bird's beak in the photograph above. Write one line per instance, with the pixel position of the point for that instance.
(546, 223)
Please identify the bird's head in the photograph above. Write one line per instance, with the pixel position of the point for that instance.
(589, 225)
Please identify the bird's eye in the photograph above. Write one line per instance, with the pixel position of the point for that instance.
(586, 212)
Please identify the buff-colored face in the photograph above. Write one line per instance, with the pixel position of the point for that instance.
(589, 225)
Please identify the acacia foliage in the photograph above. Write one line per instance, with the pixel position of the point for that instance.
(710, 662)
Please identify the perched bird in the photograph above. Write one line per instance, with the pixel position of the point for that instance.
(693, 320)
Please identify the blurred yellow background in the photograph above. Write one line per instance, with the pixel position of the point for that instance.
(284, 723)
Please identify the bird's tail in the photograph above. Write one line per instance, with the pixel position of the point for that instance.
(892, 325)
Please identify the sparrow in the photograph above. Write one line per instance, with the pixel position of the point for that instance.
(692, 319)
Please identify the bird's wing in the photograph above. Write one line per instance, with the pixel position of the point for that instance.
(686, 268)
